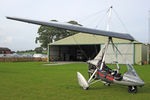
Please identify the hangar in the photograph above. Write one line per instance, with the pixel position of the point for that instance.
(82, 47)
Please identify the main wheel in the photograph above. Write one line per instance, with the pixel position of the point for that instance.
(132, 89)
(107, 84)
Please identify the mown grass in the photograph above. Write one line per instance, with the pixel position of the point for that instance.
(36, 81)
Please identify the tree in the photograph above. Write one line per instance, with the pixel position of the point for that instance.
(38, 50)
(50, 34)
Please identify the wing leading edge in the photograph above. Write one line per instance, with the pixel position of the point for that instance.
(76, 28)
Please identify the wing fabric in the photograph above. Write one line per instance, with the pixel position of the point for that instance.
(76, 28)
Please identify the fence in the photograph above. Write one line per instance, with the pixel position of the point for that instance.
(22, 59)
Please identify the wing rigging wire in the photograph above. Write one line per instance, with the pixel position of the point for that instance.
(98, 24)
(94, 17)
(91, 15)
(85, 19)
(124, 58)
(80, 48)
(117, 15)
(125, 28)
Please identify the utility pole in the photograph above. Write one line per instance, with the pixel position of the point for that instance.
(148, 44)
(149, 28)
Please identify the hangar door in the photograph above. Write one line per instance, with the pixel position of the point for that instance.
(73, 52)
(127, 51)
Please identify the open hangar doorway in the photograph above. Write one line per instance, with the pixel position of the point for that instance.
(73, 52)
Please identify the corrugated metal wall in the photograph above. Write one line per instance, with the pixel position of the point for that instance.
(127, 51)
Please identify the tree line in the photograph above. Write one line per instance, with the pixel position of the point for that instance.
(48, 35)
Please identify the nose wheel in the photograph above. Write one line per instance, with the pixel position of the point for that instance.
(132, 89)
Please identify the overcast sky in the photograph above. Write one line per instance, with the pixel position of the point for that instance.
(90, 13)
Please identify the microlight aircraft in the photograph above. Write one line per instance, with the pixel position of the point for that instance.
(98, 70)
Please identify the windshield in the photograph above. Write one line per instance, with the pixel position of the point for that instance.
(131, 70)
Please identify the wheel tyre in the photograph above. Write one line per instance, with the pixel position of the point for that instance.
(132, 89)
(107, 84)
(86, 88)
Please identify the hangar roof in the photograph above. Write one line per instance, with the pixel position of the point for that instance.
(83, 39)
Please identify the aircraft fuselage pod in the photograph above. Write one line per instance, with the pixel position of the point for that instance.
(99, 71)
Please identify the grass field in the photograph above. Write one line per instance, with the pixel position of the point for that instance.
(36, 81)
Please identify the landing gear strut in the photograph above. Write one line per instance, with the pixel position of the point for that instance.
(132, 89)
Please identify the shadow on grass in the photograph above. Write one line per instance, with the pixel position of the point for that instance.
(144, 90)
(118, 88)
